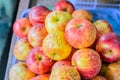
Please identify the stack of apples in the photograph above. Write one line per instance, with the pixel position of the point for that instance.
(64, 44)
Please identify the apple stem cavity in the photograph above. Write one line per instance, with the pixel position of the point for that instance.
(24, 28)
(79, 26)
(65, 10)
(40, 58)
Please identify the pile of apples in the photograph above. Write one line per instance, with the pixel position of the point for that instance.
(64, 44)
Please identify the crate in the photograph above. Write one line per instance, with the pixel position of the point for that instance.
(92, 5)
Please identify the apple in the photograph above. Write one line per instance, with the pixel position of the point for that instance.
(19, 71)
(55, 46)
(80, 33)
(36, 35)
(61, 63)
(64, 5)
(113, 71)
(21, 49)
(108, 46)
(38, 14)
(98, 77)
(21, 27)
(38, 62)
(82, 14)
(41, 77)
(65, 73)
(87, 61)
(102, 27)
(57, 21)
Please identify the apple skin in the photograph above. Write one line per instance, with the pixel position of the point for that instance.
(82, 14)
(21, 49)
(113, 71)
(38, 62)
(41, 77)
(65, 73)
(64, 5)
(57, 21)
(21, 27)
(19, 71)
(108, 46)
(62, 63)
(87, 61)
(98, 77)
(102, 27)
(38, 14)
(80, 33)
(55, 46)
(36, 35)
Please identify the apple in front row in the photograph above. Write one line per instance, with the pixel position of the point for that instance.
(38, 14)
(20, 71)
(38, 62)
(64, 5)
(21, 27)
(41, 77)
(108, 47)
(88, 62)
(36, 35)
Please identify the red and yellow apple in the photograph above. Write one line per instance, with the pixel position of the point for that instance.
(38, 62)
(108, 46)
(21, 49)
(41, 77)
(38, 14)
(19, 71)
(65, 73)
(57, 21)
(82, 14)
(80, 33)
(36, 35)
(21, 27)
(102, 27)
(87, 61)
(64, 5)
(55, 46)
(113, 71)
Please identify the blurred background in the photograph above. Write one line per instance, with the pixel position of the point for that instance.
(8, 11)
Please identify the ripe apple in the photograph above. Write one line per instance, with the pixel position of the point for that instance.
(113, 71)
(64, 5)
(21, 27)
(57, 20)
(102, 27)
(36, 35)
(98, 77)
(38, 62)
(61, 63)
(82, 14)
(65, 73)
(55, 46)
(87, 61)
(80, 33)
(19, 71)
(41, 77)
(22, 49)
(38, 14)
(108, 46)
